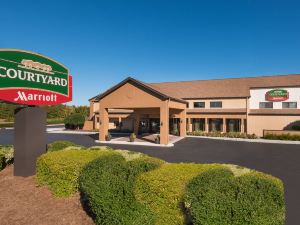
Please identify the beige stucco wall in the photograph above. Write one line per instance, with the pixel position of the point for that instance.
(257, 123)
(237, 103)
(129, 97)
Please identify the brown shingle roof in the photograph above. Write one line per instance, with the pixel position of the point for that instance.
(225, 88)
(201, 89)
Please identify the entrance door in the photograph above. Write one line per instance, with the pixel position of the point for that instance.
(174, 126)
(154, 126)
(215, 125)
(144, 126)
(233, 125)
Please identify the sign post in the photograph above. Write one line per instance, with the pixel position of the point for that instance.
(31, 79)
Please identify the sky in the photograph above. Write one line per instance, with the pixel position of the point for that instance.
(103, 42)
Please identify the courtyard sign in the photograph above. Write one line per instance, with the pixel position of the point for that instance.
(277, 95)
(32, 79)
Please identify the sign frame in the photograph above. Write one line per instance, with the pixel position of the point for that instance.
(277, 95)
(33, 92)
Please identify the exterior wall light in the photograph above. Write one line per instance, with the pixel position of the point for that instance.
(161, 123)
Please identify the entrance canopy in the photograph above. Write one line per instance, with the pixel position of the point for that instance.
(140, 97)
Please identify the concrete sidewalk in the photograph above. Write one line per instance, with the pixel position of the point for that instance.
(258, 140)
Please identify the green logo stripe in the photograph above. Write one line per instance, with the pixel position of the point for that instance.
(28, 70)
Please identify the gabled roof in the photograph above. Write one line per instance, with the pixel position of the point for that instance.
(149, 88)
(209, 89)
(225, 88)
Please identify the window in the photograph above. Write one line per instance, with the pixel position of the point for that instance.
(199, 104)
(289, 105)
(266, 105)
(215, 104)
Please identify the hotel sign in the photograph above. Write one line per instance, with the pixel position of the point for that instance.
(32, 79)
(277, 95)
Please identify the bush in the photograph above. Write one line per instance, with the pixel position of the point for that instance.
(74, 121)
(6, 155)
(286, 137)
(162, 190)
(220, 134)
(59, 170)
(296, 127)
(55, 121)
(218, 197)
(59, 145)
(107, 185)
(2, 160)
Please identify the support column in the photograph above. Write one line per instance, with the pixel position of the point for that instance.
(242, 126)
(190, 125)
(120, 121)
(103, 123)
(206, 125)
(182, 117)
(164, 123)
(224, 125)
(137, 118)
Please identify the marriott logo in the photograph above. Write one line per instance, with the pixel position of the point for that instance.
(22, 96)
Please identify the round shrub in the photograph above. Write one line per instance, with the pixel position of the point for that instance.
(162, 190)
(259, 200)
(74, 121)
(59, 145)
(107, 185)
(218, 197)
(59, 170)
(210, 197)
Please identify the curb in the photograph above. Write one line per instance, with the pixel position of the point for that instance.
(259, 140)
(135, 143)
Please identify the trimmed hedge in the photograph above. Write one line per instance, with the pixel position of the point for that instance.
(220, 134)
(172, 193)
(59, 145)
(74, 121)
(162, 190)
(123, 187)
(59, 170)
(107, 185)
(218, 197)
(287, 137)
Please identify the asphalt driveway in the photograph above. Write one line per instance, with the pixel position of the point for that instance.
(280, 160)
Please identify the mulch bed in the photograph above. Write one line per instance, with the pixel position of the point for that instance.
(23, 202)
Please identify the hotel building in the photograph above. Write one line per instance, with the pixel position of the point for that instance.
(247, 105)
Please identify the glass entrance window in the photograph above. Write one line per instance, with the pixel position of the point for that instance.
(174, 126)
(215, 125)
(144, 126)
(233, 125)
(198, 124)
(154, 125)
